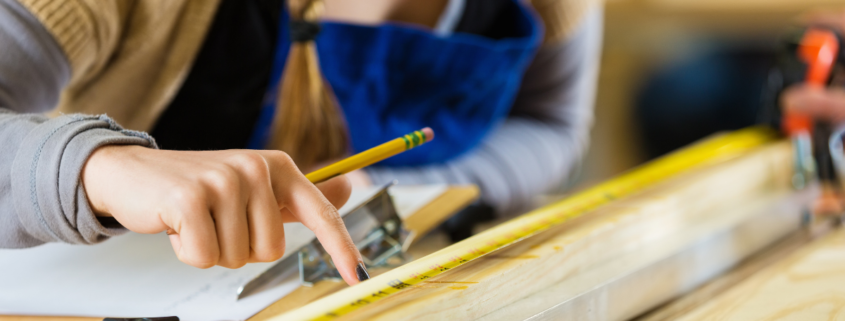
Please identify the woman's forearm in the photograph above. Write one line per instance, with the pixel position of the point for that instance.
(41, 199)
(40, 167)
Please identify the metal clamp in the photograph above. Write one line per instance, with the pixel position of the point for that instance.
(381, 246)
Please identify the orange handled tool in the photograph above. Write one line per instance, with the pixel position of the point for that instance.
(815, 56)
(818, 49)
(809, 57)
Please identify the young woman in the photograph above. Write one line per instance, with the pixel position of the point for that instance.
(510, 103)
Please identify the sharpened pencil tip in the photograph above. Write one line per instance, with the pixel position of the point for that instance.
(429, 134)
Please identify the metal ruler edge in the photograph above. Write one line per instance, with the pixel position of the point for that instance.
(712, 150)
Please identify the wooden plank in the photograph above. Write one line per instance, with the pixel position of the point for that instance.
(807, 285)
(754, 264)
(633, 283)
(483, 286)
(717, 149)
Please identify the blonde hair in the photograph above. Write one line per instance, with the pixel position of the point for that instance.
(308, 125)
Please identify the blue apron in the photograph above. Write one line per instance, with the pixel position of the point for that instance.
(392, 79)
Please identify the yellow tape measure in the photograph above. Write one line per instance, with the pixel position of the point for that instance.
(709, 151)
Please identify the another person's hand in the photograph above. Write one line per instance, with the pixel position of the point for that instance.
(826, 104)
(222, 208)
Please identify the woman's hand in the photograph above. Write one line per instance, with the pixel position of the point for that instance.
(222, 208)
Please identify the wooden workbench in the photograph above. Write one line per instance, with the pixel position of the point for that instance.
(801, 278)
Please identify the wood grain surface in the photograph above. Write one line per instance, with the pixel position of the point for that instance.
(807, 285)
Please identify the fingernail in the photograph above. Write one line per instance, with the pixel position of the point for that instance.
(362, 272)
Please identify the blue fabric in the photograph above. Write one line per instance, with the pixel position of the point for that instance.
(392, 79)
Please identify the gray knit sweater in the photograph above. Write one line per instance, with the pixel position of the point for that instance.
(41, 158)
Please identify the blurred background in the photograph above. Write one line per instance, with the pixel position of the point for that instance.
(674, 71)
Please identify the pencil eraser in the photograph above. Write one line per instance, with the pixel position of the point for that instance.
(429, 134)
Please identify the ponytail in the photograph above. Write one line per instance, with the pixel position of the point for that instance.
(308, 124)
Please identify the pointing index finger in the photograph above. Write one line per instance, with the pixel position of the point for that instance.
(309, 206)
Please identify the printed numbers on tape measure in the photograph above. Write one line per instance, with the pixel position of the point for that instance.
(438, 267)
(457, 259)
(396, 284)
(419, 276)
(379, 294)
(359, 302)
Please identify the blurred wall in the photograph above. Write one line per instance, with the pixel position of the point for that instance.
(643, 37)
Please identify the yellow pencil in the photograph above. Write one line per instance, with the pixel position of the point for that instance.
(372, 155)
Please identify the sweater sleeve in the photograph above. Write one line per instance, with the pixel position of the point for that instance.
(544, 137)
(41, 159)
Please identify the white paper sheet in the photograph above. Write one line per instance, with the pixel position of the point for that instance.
(138, 275)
